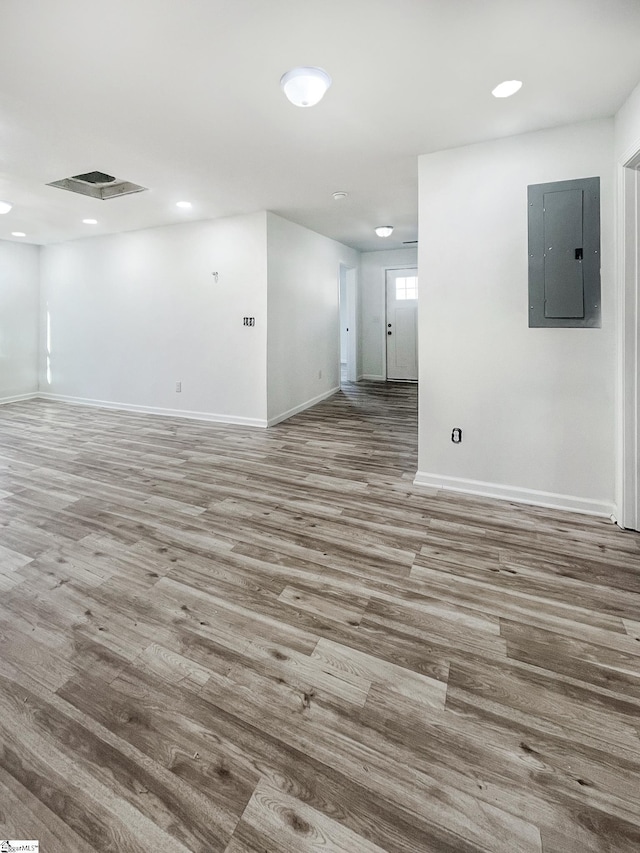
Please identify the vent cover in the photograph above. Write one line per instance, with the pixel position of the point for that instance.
(94, 178)
(97, 185)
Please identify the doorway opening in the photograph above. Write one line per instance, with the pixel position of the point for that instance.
(348, 331)
(401, 325)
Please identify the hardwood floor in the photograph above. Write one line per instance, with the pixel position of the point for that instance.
(227, 639)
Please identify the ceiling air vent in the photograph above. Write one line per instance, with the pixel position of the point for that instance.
(97, 185)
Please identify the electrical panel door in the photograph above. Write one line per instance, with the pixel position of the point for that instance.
(564, 253)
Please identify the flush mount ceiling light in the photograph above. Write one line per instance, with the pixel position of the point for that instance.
(5, 206)
(340, 195)
(384, 230)
(183, 204)
(90, 221)
(507, 88)
(305, 86)
(18, 234)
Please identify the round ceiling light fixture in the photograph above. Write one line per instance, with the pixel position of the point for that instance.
(185, 205)
(305, 86)
(90, 221)
(340, 195)
(5, 206)
(18, 234)
(384, 230)
(507, 88)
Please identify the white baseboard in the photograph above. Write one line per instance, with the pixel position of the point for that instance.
(18, 398)
(515, 493)
(154, 410)
(373, 377)
(291, 412)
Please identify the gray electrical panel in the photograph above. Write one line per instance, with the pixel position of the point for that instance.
(564, 254)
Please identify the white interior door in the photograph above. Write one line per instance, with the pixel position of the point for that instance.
(402, 324)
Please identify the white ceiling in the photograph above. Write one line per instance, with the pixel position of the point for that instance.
(183, 97)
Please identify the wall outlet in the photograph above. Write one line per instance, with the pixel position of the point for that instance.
(178, 387)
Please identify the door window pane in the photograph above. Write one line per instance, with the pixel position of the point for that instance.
(407, 287)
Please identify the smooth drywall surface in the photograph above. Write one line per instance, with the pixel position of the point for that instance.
(344, 316)
(303, 338)
(536, 406)
(627, 127)
(130, 315)
(373, 268)
(19, 288)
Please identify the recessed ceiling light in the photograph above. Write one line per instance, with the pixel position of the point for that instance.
(384, 230)
(305, 86)
(90, 221)
(340, 195)
(5, 206)
(18, 234)
(507, 88)
(184, 204)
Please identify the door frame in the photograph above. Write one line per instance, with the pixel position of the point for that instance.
(387, 270)
(628, 384)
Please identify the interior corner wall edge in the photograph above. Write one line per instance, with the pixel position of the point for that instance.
(627, 127)
(19, 295)
(536, 406)
(132, 314)
(303, 335)
(373, 267)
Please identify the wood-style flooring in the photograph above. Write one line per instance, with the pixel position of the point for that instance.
(217, 638)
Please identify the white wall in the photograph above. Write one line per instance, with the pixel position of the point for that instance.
(536, 405)
(344, 316)
(132, 314)
(303, 343)
(19, 288)
(627, 126)
(373, 266)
